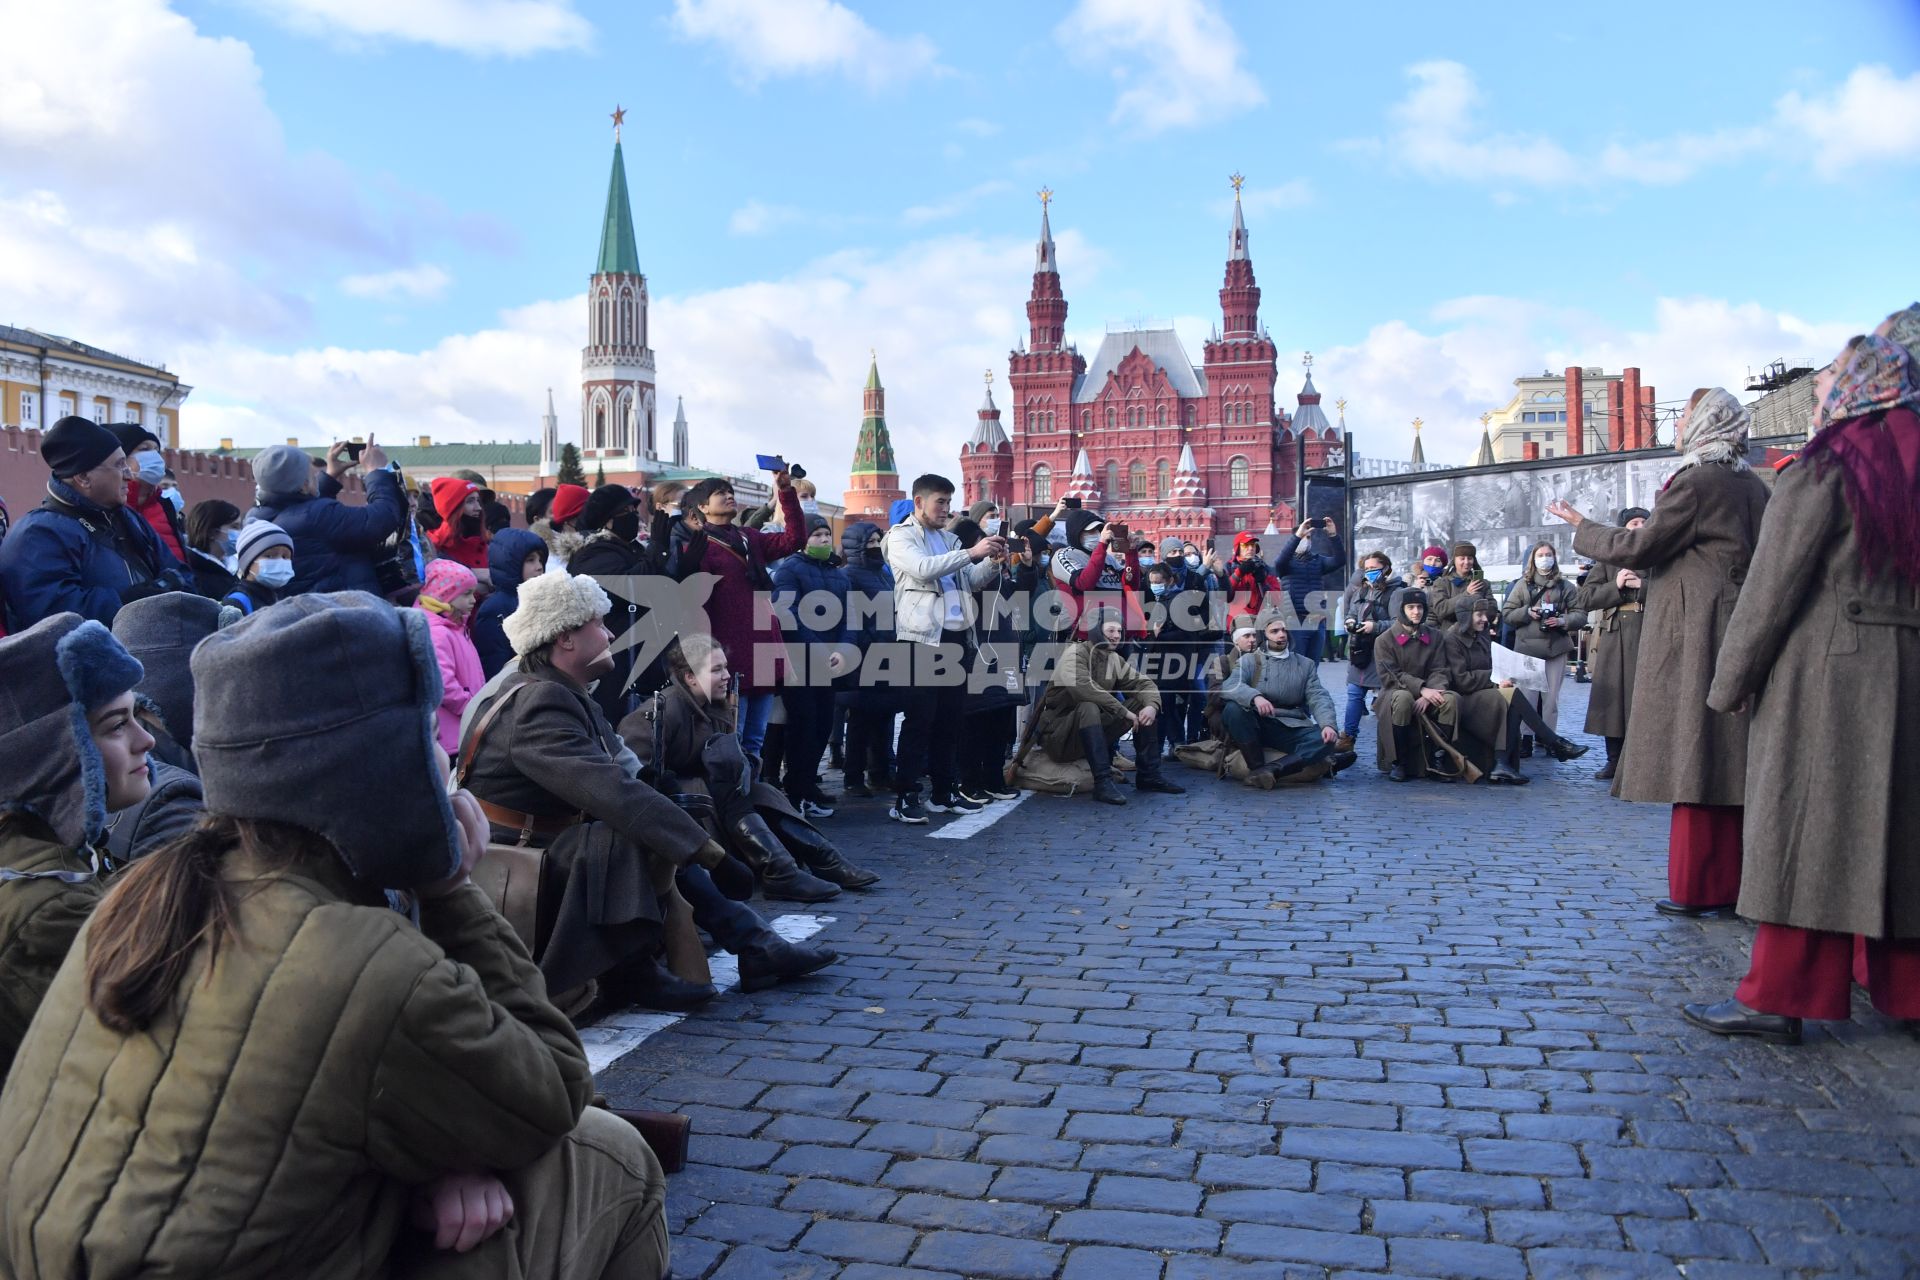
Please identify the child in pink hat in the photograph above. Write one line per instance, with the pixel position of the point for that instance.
(447, 598)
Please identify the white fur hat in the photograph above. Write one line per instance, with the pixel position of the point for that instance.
(550, 605)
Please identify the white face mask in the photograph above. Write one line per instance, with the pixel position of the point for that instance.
(274, 573)
(152, 466)
(810, 505)
(1544, 563)
(1193, 562)
(991, 525)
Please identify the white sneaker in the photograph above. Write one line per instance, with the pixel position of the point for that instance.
(813, 809)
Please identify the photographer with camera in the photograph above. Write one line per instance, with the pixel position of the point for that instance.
(1369, 612)
(1305, 572)
(335, 547)
(1544, 611)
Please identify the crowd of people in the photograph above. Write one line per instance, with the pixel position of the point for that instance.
(322, 827)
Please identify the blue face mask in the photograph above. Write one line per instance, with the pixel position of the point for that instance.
(1373, 575)
(1159, 589)
(233, 541)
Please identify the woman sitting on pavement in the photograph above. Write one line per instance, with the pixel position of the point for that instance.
(1491, 713)
(688, 744)
(71, 754)
(1409, 661)
(251, 1065)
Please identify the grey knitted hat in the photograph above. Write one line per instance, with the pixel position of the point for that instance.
(160, 632)
(319, 712)
(257, 536)
(281, 469)
(51, 675)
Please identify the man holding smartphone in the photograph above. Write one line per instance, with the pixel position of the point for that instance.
(335, 546)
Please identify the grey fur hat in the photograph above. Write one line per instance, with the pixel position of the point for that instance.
(51, 676)
(160, 632)
(318, 712)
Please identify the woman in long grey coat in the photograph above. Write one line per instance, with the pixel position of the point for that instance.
(1693, 556)
(1611, 598)
(1825, 649)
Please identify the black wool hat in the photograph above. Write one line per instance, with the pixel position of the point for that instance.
(132, 435)
(76, 444)
(1633, 513)
(604, 503)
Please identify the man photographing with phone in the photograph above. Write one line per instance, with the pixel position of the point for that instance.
(335, 546)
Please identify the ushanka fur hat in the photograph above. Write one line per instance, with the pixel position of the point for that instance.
(161, 631)
(318, 712)
(552, 605)
(52, 675)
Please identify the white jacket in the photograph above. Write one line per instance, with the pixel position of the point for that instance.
(919, 605)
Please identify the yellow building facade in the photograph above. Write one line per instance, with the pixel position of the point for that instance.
(45, 377)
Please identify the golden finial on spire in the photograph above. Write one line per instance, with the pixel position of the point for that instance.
(873, 355)
(1417, 424)
(1238, 181)
(1340, 403)
(1306, 360)
(989, 377)
(1046, 197)
(619, 117)
(1485, 418)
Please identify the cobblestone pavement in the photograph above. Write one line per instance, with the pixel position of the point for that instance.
(1351, 1029)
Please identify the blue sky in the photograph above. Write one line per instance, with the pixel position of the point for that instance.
(342, 215)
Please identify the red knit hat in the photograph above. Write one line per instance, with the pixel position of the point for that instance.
(450, 493)
(1437, 553)
(569, 500)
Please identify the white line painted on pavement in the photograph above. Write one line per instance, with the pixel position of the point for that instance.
(618, 1034)
(961, 828)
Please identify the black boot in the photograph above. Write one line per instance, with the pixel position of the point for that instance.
(1259, 775)
(1404, 745)
(780, 876)
(1613, 759)
(648, 983)
(771, 959)
(1502, 772)
(819, 856)
(1563, 750)
(1731, 1018)
(1094, 743)
(1148, 774)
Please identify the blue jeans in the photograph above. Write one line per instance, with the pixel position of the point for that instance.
(1356, 707)
(1312, 644)
(755, 710)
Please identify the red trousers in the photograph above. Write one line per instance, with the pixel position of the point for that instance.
(1703, 855)
(1805, 973)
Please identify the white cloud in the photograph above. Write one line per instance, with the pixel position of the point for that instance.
(1461, 362)
(1873, 117)
(939, 210)
(422, 283)
(1278, 199)
(481, 27)
(1178, 60)
(766, 39)
(755, 218)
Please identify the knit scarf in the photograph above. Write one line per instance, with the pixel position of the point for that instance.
(1876, 445)
(1715, 431)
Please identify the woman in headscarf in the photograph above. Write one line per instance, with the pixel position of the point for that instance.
(1824, 650)
(1611, 598)
(1692, 556)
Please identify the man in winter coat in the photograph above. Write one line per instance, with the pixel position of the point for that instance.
(1305, 570)
(81, 551)
(335, 546)
(1822, 655)
(148, 467)
(313, 1083)
(1452, 591)
(1414, 687)
(71, 754)
(810, 586)
(1274, 699)
(513, 557)
(870, 706)
(1096, 697)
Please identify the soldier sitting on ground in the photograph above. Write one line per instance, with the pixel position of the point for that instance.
(1096, 697)
(1414, 690)
(1274, 698)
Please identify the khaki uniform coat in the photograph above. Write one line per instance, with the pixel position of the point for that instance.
(1089, 674)
(40, 915)
(1832, 663)
(1692, 554)
(1483, 705)
(276, 1121)
(1405, 670)
(1616, 615)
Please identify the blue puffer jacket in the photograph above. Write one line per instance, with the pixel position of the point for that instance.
(506, 554)
(866, 621)
(335, 546)
(70, 556)
(1305, 572)
(799, 576)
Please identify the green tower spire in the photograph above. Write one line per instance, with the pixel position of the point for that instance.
(873, 455)
(618, 254)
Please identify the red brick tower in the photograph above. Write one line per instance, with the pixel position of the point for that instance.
(1240, 367)
(1042, 376)
(874, 485)
(986, 461)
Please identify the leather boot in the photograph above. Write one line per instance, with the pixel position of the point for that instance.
(651, 985)
(1148, 774)
(769, 959)
(1404, 745)
(1094, 743)
(1502, 772)
(780, 876)
(1563, 750)
(817, 854)
(1259, 775)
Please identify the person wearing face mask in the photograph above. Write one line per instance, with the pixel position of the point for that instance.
(1693, 555)
(870, 706)
(213, 543)
(71, 755)
(336, 547)
(1249, 578)
(1452, 590)
(611, 521)
(145, 499)
(1416, 691)
(1613, 593)
(1544, 610)
(1274, 701)
(264, 565)
(515, 556)
(1367, 613)
(810, 587)
(1098, 569)
(986, 513)
(447, 598)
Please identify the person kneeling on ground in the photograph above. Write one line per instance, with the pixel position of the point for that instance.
(1082, 715)
(1414, 693)
(1491, 714)
(686, 742)
(71, 753)
(1274, 698)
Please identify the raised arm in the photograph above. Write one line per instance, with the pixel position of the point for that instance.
(1664, 536)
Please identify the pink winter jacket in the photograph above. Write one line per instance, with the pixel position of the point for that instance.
(460, 675)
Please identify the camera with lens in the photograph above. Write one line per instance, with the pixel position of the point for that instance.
(1353, 625)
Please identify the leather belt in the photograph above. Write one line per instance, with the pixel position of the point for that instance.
(1632, 607)
(526, 823)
